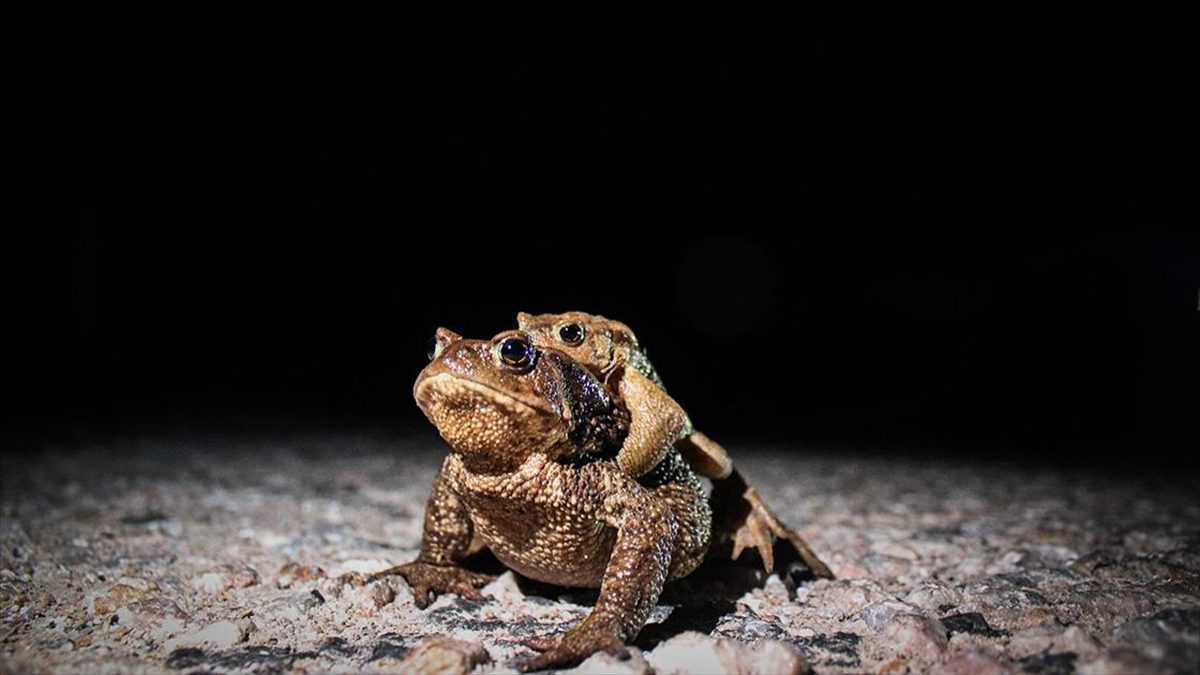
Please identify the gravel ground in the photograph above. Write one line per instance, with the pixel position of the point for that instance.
(231, 554)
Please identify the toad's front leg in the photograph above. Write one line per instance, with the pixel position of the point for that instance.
(445, 542)
(633, 580)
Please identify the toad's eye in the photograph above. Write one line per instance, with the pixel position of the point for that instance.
(571, 334)
(516, 353)
(432, 348)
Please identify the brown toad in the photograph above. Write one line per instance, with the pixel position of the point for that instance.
(658, 425)
(532, 477)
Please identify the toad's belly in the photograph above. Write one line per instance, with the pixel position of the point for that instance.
(545, 543)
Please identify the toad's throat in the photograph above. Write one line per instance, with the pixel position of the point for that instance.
(477, 419)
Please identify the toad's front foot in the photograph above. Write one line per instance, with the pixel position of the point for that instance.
(428, 581)
(596, 633)
(756, 530)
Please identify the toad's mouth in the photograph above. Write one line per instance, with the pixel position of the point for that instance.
(448, 386)
(474, 417)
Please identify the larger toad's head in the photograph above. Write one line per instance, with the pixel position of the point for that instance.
(497, 401)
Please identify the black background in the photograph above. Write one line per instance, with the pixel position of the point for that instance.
(960, 233)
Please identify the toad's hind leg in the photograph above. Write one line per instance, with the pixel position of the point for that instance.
(705, 455)
(681, 491)
(740, 517)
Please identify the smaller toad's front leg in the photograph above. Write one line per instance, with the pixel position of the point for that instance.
(446, 541)
(656, 421)
(633, 579)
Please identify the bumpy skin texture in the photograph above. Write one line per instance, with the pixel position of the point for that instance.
(610, 350)
(659, 425)
(533, 477)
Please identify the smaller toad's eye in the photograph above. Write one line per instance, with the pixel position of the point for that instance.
(571, 334)
(432, 348)
(516, 353)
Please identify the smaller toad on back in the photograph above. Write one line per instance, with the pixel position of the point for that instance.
(657, 425)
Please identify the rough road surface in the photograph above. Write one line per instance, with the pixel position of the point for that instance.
(238, 555)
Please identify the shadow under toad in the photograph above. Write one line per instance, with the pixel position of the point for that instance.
(696, 602)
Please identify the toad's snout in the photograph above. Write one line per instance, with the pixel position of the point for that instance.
(476, 419)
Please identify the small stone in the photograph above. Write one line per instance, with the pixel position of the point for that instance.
(362, 566)
(1078, 640)
(226, 577)
(880, 614)
(775, 592)
(152, 612)
(209, 582)
(849, 597)
(504, 588)
(220, 634)
(127, 590)
(973, 663)
(886, 566)
(243, 576)
(971, 623)
(692, 652)
(291, 608)
(439, 655)
(381, 594)
(187, 657)
(293, 572)
(916, 636)
(894, 550)
(933, 595)
(629, 662)
(893, 666)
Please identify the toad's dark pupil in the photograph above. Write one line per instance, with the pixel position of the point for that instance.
(431, 348)
(516, 352)
(571, 333)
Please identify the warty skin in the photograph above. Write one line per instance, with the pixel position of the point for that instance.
(532, 477)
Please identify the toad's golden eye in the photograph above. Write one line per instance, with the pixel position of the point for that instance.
(516, 353)
(571, 334)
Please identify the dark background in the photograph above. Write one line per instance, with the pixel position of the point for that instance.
(963, 234)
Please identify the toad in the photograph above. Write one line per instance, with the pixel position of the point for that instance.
(532, 476)
(659, 426)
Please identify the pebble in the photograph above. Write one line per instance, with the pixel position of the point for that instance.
(436, 655)
(880, 614)
(125, 591)
(363, 566)
(933, 596)
(293, 572)
(696, 653)
(504, 588)
(894, 550)
(849, 597)
(152, 612)
(221, 634)
(916, 636)
(973, 663)
(382, 593)
(226, 577)
(630, 662)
